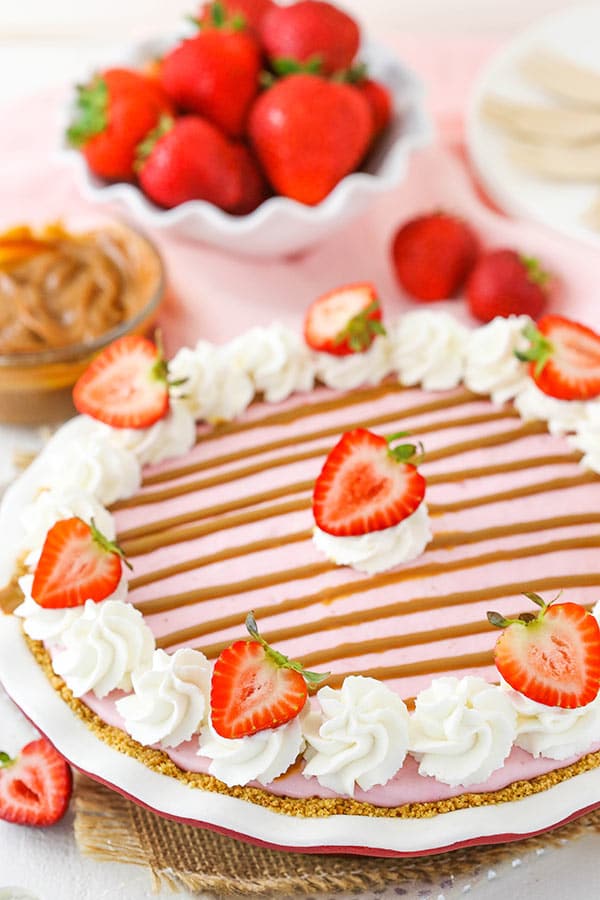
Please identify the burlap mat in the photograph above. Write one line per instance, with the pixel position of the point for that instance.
(107, 826)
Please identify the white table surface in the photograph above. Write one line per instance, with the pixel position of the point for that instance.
(45, 43)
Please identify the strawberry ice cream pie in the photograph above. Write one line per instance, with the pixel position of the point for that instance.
(372, 707)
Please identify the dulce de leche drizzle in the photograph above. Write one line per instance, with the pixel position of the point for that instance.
(512, 510)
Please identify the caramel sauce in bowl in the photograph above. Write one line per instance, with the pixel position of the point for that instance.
(63, 297)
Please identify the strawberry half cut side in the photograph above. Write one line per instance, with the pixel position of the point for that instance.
(564, 358)
(36, 786)
(254, 687)
(552, 658)
(366, 485)
(77, 564)
(126, 385)
(344, 321)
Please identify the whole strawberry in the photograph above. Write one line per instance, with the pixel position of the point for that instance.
(308, 133)
(215, 74)
(251, 12)
(380, 101)
(114, 112)
(255, 189)
(504, 283)
(311, 31)
(190, 159)
(433, 254)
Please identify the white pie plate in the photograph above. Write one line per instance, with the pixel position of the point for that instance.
(574, 32)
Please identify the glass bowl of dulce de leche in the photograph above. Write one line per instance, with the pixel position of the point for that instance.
(64, 295)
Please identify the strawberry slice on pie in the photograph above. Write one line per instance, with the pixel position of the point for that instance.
(552, 658)
(126, 385)
(367, 485)
(77, 564)
(254, 687)
(344, 321)
(564, 358)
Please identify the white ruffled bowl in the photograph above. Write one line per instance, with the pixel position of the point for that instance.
(281, 226)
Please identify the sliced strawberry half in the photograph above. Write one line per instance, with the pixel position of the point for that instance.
(36, 786)
(344, 321)
(126, 385)
(77, 564)
(254, 687)
(366, 485)
(552, 658)
(564, 358)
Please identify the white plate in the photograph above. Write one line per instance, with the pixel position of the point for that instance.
(575, 33)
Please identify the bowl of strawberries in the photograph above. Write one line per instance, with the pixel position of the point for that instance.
(261, 131)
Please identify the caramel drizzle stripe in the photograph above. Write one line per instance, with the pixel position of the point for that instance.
(302, 411)
(424, 667)
(189, 487)
(300, 486)
(445, 539)
(167, 532)
(246, 585)
(334, 431)
(370, 613)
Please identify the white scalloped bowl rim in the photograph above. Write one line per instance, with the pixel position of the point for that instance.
(390, 159)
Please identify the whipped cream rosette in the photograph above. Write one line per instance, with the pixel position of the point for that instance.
(492, 367)
(276, 359)
(462, 730)
(368, 503)
(210, 382)
(170, 699)
(428, 348)
(359, 736)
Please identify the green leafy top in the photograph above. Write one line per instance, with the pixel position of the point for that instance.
(281, 661)
(540, 349)
(146, 146)
(108, 546)
(91, 117)
(405, 453)
(361, 329)
(499, 621)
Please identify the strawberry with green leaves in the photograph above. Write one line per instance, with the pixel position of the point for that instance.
(35, 786)
(216, 73)
(250, 12)
(504, 282)
(345, 320)
(113, 114)
(189, 158)
(552, 658)
(367, 484)
(310, 31)
(308, 133)
(563, 357)
(77, 563)
(254, 687)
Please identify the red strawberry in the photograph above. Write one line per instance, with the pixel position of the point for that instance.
(366, 485)
(251, 12)
(380, 101)
(215, 75)
(255, 189)
(309, 31)
(126, 385)
(77, 564)
(254, 687)
(308, 133)
(114, 112)
(564, 358)
(344, 321)
(35, 788)
(503, 283)
(552, 658)
(433, 254)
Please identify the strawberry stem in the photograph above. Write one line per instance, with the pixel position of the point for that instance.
(6, 760)
(405, 453)
(108, 546)
(539, 351)
(146, 146)
(286, 65)
(281, 661)
(352, 75)
(535, 273)
(361, 329)
(499, 621)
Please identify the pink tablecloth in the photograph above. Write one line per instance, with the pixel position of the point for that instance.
(215, 296)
